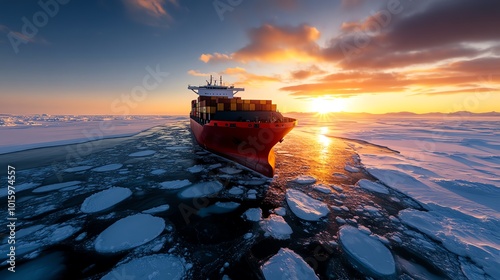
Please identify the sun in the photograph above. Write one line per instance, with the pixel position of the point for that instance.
(324, 105)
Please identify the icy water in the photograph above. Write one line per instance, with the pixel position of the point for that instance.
(204, 226)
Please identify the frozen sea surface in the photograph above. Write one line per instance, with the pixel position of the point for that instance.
(160, 198)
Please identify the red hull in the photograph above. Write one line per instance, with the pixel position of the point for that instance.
(247, 143)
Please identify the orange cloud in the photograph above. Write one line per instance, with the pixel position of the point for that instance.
(312, 70)
(217, 57)
(272, 43)
(246, 78)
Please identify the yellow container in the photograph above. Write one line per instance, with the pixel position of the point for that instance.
(262, 102)
(246, 107)
(233, 106)
(246, 101)
(220, 107)
(252, 107)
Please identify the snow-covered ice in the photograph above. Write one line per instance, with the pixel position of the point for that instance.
(105, 199)
(372, 186)
(366, 253)
(287, 264)
(304, 206)
(108, 167)
(463, 235)
(152, 267)
(18, 131)
(201, 189)
(129, 232)
(175, 184)
(52, 187)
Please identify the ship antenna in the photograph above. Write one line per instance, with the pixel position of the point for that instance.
(210, 79)
(220, 81)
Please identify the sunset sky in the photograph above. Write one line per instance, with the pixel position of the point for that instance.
(113, 56)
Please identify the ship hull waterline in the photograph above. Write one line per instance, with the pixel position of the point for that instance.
(248, 144)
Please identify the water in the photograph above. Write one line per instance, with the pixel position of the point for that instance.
(215, 244)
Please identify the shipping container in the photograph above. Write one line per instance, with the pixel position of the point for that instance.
(252, 107)
(220, 107)
(233, 106)
(273, 107)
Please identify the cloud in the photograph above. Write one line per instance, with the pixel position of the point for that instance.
(432, 47)
(274, 43)
(216, 57)
(245, 78)
(197, 73)
(302, 74)
(150, 12)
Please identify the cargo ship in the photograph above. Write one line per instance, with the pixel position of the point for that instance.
(241, 130)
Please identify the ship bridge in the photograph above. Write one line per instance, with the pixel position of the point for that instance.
(212, 89)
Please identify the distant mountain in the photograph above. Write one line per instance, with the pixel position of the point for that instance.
(410, 114)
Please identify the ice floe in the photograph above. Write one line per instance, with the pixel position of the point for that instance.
(175, 184)
(129, 232)
(322, 188)
(304, 206)
(276, 227)
(19, 188)
(287, 264)
(366, 253)
(280, 211)
(52, 187)
(77, 168)
(201, 189)
(236, 191)
(351, 169)
(253, 214)
(152, 267)
(108, 167)
(105, 199)
(142, 153)
(230, 170)
(218, 208)
(158, 171)
(305, 179)
(196, 169)
(157, 209)
(372, 186)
